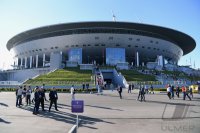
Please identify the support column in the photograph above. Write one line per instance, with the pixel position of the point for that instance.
(21, 62)
(137, 58)
(31, 60)
(25, 62)
(44, 60)
(16, 62)
(160, 60)
(36, 63)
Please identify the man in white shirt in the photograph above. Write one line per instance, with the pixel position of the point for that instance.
(72, 92)
(169, 91)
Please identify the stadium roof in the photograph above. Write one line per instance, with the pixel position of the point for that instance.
(181, 39)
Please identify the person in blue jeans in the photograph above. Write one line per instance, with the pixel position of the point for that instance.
(19, 96)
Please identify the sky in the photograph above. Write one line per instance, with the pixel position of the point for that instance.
(17, 16)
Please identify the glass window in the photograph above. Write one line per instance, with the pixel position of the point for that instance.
(115, 55)
(75, 54)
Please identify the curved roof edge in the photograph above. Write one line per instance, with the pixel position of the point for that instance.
(184, 41)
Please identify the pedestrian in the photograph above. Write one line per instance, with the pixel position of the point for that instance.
(53, 97)
(129, 88)
(146, 89)
(33, 97)
(42, 98)
(98, 89)
(19, 96)
(139, 93)
(111, 87)
(172, 91)
(184, 92)
(83, 86)
(168, 91)
(87, 87)
(132, 86)
(187, 92)
(177, 91)
(199, 89)
(24, 93)
(190, 92)
(37, 101)
(28, 95)
(143, 94)
(72, 92)
(152, 90)
(120, 91)
(44, 91)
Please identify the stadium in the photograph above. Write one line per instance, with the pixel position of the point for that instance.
(101, 43)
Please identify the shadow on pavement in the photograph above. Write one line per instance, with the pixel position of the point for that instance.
(3, 104)
(66, 117)
(170, 103)
(103, 107)
(69, 107)
(6, 122)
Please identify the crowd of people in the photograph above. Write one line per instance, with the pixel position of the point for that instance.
(38, 97)
(186, 91)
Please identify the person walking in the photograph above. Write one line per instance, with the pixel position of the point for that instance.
(132, 86)
(146, 89)
(139, 93)
(168, 91)
(172, 91)
(152, 90)
(37, 101)
(83, 85)
(24, 93)
(120, 91)
(143, 94)
(72, 92)
(87, 87)
(44, 91)
(111, 87)
(187, 93)
(129, 88)
(53, 98)
(190, 92)
(19, 96)
(177, 91)
(42, 98)
(28, 95)
(184, 92)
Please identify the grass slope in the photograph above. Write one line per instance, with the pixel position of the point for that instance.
(63, 76)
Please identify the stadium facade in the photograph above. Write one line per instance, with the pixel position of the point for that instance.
(100, 42)
(45, 49)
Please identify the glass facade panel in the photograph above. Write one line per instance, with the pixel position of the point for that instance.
(115, 55)
(75, 54)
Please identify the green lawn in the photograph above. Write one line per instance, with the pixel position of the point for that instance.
(132, 75)
(63, 76)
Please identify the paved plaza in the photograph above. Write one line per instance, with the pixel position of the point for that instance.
(105, 113)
